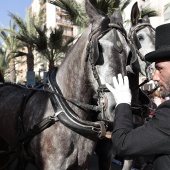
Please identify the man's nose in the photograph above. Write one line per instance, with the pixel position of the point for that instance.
(156, 76)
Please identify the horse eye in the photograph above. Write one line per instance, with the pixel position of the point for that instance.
(140, 38)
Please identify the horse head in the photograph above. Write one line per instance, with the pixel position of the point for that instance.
(108, 46)
(142, 35)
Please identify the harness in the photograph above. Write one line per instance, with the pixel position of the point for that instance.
(63, 113)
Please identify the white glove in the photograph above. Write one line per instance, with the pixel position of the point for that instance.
(121, 91)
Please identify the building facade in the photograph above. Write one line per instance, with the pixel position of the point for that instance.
(53, 17)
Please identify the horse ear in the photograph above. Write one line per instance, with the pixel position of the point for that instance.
(96, 17)
(116, 17)
(135, 14)
(146, 19)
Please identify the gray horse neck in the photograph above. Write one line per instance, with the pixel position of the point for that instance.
(73, 75)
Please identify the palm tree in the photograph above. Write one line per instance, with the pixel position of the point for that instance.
(77, 12)
(35, 38)
(78, 15)
(51, 47)
(10, 43)
(3, 64)
(25, 34)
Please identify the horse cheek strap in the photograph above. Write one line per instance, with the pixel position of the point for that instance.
(136, 41)
(133, 57)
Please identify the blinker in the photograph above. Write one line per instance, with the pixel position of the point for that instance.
(95, 51)
(92, 50)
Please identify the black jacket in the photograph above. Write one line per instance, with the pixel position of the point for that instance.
(150, 139)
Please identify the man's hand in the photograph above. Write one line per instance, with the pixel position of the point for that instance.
(121, 91)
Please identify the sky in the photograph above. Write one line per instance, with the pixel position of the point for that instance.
(15, 6)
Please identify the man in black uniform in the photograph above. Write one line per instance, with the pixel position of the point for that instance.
(153, 137)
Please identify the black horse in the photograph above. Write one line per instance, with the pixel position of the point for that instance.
(57, 127)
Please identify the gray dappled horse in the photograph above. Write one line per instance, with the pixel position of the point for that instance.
(58, 134)
(142, 35)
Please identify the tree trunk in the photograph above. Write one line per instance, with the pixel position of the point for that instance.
(12, 69)
(51, 65)
(30, 60)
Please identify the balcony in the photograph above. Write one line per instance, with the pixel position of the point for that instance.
(64, 23)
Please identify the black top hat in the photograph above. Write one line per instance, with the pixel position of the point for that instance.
(162, 44)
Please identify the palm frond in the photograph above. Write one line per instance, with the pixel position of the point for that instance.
(56, 39)
(150, 12)
(125, 3)
(18, 53)
(40, 40)
(19, 21)
(74, 11)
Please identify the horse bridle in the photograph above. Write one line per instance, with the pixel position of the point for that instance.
(92, 54)
(133, 31)
(132, 35)
(63, 111)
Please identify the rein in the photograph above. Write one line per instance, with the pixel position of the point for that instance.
(69, 118)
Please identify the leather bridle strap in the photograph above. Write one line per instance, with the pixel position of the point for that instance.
(69, 118)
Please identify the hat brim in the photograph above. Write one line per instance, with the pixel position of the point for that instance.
(160, 54)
